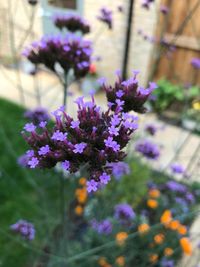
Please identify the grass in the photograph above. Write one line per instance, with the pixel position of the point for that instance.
(24, 194)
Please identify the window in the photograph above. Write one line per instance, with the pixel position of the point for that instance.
(69, 4)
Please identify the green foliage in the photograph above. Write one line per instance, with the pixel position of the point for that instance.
(167, 94)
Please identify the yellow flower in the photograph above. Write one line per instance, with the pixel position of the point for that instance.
(196, 105)
(152, 203)
(154, 193)
(186, 246)
(159, 238)
(153, 258)
(121, 238)
(79, 210)
(120, 261)
(143, 228)
(82, 181)
(168, 251)
(182, 229)
(166, 217)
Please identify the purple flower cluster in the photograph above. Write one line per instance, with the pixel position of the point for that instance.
(119, 169)
(70, 52)
(176, 187)
(71, 22)
(146, 3)
(124, 213)
(102, 227)
(37, 115)
(106, 17)
(195, 62)
(128, 95)
(177, 168)
(96, 140)
(148, 149)
(151, 129)
(24, 228)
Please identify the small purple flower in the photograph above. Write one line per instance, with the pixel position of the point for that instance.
(79, 148)
(37, 115)
(65, 165)
(119, 169)
(106, 17)
(177, 168)
(151, 129)
(92, 185)
(44, 150)
(148, 149)
(103, 227)
(109, 142)
(167, 263)
(30, 153)
(23, 160)
(124, 213)
(113, 131)
(24, 228)
(104, 178)
(43, 124)
(120, 93)
(195, 62)
(59, 136)
(176, 187)
(29, 127)
(75, 124)
(33, 162)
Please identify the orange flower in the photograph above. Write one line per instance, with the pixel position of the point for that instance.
(143, 228)
(153, 258)
(182, 229)
(79, 210)
(81, 195)
(82, 181)
(121, 238)
(103, 263)
(120, 261)
(166, 217)
(186, 245)
(152, 203)
(154, 193)
(168, 251)
(174, 225)
(159, 238)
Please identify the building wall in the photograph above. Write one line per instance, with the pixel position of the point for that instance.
(109, 44)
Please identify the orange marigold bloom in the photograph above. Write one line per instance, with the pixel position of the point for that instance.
(154, 193)
(182, 229)
(159, 238)
(168, 251)
(120, 261)
(152, 203)
(143, 228)
(82, 181)
(186, 245)
(103, 263)
(174, 225)
(79, 210)
(166, 217)
(153, 258)
(121, 238)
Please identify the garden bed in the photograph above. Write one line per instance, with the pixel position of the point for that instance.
(34, 195)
